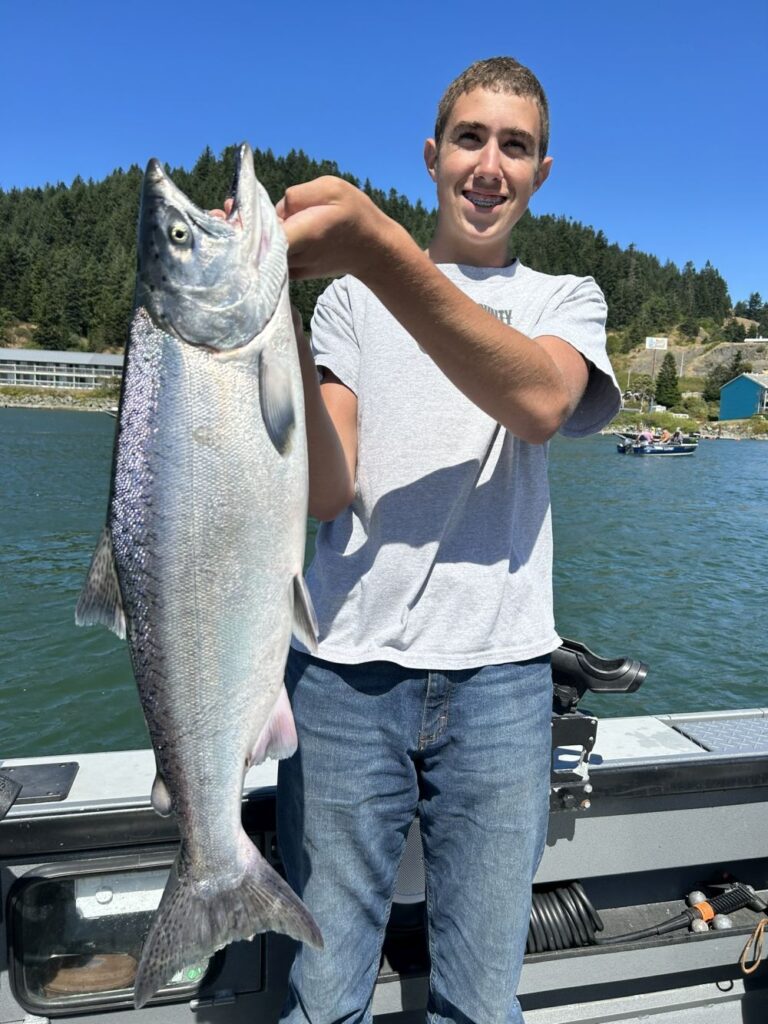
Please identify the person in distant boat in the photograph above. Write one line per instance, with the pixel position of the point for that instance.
(443, 375)
(665, 436)
(678, 437)
(645, 436)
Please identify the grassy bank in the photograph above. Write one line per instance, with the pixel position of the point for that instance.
(95, 400)
(632, 419)
(102, 399)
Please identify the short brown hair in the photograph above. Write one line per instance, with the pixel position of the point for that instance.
(499, 74)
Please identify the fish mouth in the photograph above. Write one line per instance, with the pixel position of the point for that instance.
(243, 214)
(244, 208)
(154, 174)
(243, 157)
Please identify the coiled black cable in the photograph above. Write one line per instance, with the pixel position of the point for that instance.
(562, 917)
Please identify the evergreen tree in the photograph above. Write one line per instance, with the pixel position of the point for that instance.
(642, 385)
(722, 373)
(711, 294)
(68, 254)
(690, 327)
(688, 290)
(52, 333)
(755, 306)
(7, 323)
(734, 331)
(667, 390)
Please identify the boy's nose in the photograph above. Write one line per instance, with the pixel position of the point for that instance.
(488, 161)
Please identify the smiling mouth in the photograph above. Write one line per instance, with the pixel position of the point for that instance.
(484, 202)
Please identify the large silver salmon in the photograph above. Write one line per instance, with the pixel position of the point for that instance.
(201, 557)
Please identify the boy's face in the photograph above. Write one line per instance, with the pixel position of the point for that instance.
(486, 170)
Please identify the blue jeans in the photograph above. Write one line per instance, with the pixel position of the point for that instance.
(469, 752)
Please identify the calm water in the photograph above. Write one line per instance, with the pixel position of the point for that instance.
(663, 559)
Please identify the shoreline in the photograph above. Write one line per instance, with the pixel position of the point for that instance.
(65, 403)
(76, 403)
(731, 433)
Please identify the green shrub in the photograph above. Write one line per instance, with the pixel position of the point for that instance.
(631, 420)
(614, 344)
(696, 407)
(111, 391)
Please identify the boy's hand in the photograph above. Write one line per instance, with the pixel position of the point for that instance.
(332, 228)
(223, 214)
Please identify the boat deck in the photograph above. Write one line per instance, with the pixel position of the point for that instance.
(674, 800)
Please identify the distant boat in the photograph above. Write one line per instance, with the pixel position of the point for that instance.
(629, 445)
(112, 411)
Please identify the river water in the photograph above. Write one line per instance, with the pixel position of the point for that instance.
(662, 559)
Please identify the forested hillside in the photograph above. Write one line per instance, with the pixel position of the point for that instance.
(67, 255)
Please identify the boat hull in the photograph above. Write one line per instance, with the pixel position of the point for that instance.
(675, 800)
(629, 444)
(630, 447)
(664, 450)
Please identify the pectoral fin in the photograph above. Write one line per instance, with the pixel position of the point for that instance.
(100, 599)
(304, 619)
(276, 401)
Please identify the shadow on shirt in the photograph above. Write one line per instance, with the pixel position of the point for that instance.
(462, 515)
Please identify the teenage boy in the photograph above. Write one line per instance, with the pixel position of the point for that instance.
(443, 375)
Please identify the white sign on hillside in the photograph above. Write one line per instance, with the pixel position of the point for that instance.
(656, 342)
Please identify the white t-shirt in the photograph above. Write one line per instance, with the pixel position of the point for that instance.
(444, 558)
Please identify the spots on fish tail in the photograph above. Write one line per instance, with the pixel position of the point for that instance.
(101, 599)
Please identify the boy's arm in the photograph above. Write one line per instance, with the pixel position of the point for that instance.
(529, 386)
(330, 409)
(330, 412)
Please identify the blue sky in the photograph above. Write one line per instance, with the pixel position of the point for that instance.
(659, 109)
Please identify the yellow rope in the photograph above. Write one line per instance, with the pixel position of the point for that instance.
(756, 942)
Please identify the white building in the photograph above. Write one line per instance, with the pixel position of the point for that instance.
(37, 368)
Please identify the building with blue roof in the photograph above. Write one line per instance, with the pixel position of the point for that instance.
(744, 396)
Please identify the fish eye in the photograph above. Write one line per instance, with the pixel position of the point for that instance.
(179, 233)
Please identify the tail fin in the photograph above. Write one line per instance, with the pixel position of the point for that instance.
(195, 919)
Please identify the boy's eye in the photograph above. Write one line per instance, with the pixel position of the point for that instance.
(470, 136)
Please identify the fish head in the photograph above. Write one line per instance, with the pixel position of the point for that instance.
(209, 281)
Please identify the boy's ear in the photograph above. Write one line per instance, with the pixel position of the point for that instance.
(430, 157)
(543, 173)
